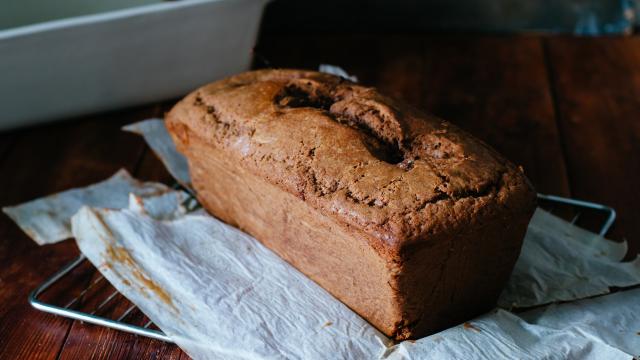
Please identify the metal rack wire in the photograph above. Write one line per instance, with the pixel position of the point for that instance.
(91, 316)
(122, 321)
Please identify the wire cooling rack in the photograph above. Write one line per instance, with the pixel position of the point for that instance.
(93, 300)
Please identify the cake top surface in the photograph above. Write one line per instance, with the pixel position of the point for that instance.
(370, 161)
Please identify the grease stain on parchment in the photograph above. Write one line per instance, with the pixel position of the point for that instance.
(469, 326)
(118, 254)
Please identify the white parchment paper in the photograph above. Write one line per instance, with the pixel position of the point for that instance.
(159, 140)
(600, 328)
(47, 220)
(220, 294)
(562, 262)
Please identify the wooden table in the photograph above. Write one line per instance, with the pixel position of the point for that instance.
(565, 108)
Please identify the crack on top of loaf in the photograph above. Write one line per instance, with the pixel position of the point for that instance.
(367, 199)
(378, 125)
(319, 187)
(297, 94)
(225, 128)
(383, 132)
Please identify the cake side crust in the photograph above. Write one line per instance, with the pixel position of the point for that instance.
(475, 254)
(336, 257)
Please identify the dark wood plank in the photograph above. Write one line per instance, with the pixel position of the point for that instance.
(42, 161)
(400, 72)
(96, 342)
(87, 341)
(6, 141)
(152, 169)
(597, 82)
(353, 52)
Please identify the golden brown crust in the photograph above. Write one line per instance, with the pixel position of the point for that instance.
(421, 193)
(366, 159)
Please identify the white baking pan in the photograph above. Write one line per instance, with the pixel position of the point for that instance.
(65, 58)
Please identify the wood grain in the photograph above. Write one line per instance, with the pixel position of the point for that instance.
(597, 82)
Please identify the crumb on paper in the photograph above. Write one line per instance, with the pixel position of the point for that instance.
(469, 326)
(328, 323)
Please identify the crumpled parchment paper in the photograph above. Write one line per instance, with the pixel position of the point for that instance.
(47, 220)
(155, 134)
(233, 298)
(562, 262)
(599, 328)
(220, 294)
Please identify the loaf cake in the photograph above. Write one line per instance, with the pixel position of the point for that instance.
(408, 220)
